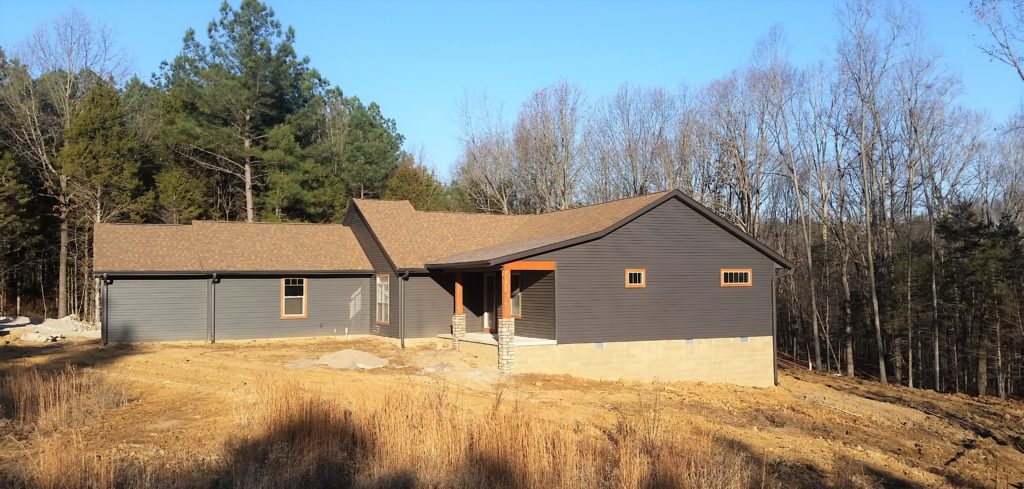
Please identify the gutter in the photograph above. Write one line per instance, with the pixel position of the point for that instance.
(212, 333)
(103, 314)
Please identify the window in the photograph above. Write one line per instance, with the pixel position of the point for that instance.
(735, 277)
(383, 298)
(293, 298)
(636, 278)
(517, 295)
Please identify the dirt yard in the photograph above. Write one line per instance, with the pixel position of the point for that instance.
(811, 431)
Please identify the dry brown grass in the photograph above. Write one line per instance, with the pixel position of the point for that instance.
(416, 437)
(47, 401)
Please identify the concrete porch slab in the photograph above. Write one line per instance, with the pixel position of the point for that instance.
(492, 339)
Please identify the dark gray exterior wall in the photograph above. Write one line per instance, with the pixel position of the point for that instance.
(429, 304)
(250, 307)
(538, 320)
(473, 301)
(156, 309)
(380, 264)
(682, 253)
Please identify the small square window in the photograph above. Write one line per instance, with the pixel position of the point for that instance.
(636, 278)
(735, 277)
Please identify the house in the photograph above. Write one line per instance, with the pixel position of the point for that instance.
(651, 287)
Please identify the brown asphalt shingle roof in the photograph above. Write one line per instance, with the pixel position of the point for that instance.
(213, 246)
(414, 238)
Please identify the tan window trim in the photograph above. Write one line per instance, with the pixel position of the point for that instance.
(305, 301)
(643, 278)
(375, 320)
(723, 271)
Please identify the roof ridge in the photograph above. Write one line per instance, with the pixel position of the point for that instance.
(659, 193)
(595, 204)
(208, 221)
(164, 224)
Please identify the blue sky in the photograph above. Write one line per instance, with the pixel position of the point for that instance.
(417, 59)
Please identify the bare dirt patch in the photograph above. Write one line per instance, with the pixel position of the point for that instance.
(813, 430)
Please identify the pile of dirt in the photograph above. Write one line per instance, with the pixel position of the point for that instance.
(37, 330)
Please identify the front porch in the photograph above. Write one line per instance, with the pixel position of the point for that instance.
(499, 300)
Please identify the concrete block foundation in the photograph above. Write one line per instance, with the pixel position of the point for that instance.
(743, 361)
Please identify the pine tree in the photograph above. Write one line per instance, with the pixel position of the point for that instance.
(100, 158)
(181, 196)
(230, 94)
(417, 184)
(372, 149)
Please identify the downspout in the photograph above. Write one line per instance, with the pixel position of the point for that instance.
(213, 308)
(103, 317)
(401, 307)
(775, 313)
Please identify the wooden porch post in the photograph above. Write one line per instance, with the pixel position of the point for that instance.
(458, 293)
(506, 292)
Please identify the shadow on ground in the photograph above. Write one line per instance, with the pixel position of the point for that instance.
(57, 355)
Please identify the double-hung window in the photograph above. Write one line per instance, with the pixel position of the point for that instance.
(383, 298)
(293, 298)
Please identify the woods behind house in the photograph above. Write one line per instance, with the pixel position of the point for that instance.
(901, 208)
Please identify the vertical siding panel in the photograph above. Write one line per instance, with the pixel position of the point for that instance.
(250, 307)
(473, 296)
(538, 319)
(682, 252)
(428, 305)
(156, 309)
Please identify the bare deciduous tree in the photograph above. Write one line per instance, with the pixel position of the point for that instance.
(42, 86)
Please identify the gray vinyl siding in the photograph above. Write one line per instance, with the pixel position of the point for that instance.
(156, 309)
(538, 320)
(380, 264)
(429, 303)
(682, 253)
(250, 307)
(473, 301)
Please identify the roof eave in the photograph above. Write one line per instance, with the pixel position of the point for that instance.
(696, 206)
(232, 272)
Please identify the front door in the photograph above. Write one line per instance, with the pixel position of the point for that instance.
(490, 307)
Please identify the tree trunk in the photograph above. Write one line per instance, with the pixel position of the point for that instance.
(935, 307)
(910, 276)
(897, 358)
(62, 266)
(870, 252)
(848, 313)
(248, 191)
(982, 363)
(1000, 378)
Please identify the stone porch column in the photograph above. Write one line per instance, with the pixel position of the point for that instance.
(506, 350)
(458, 329)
